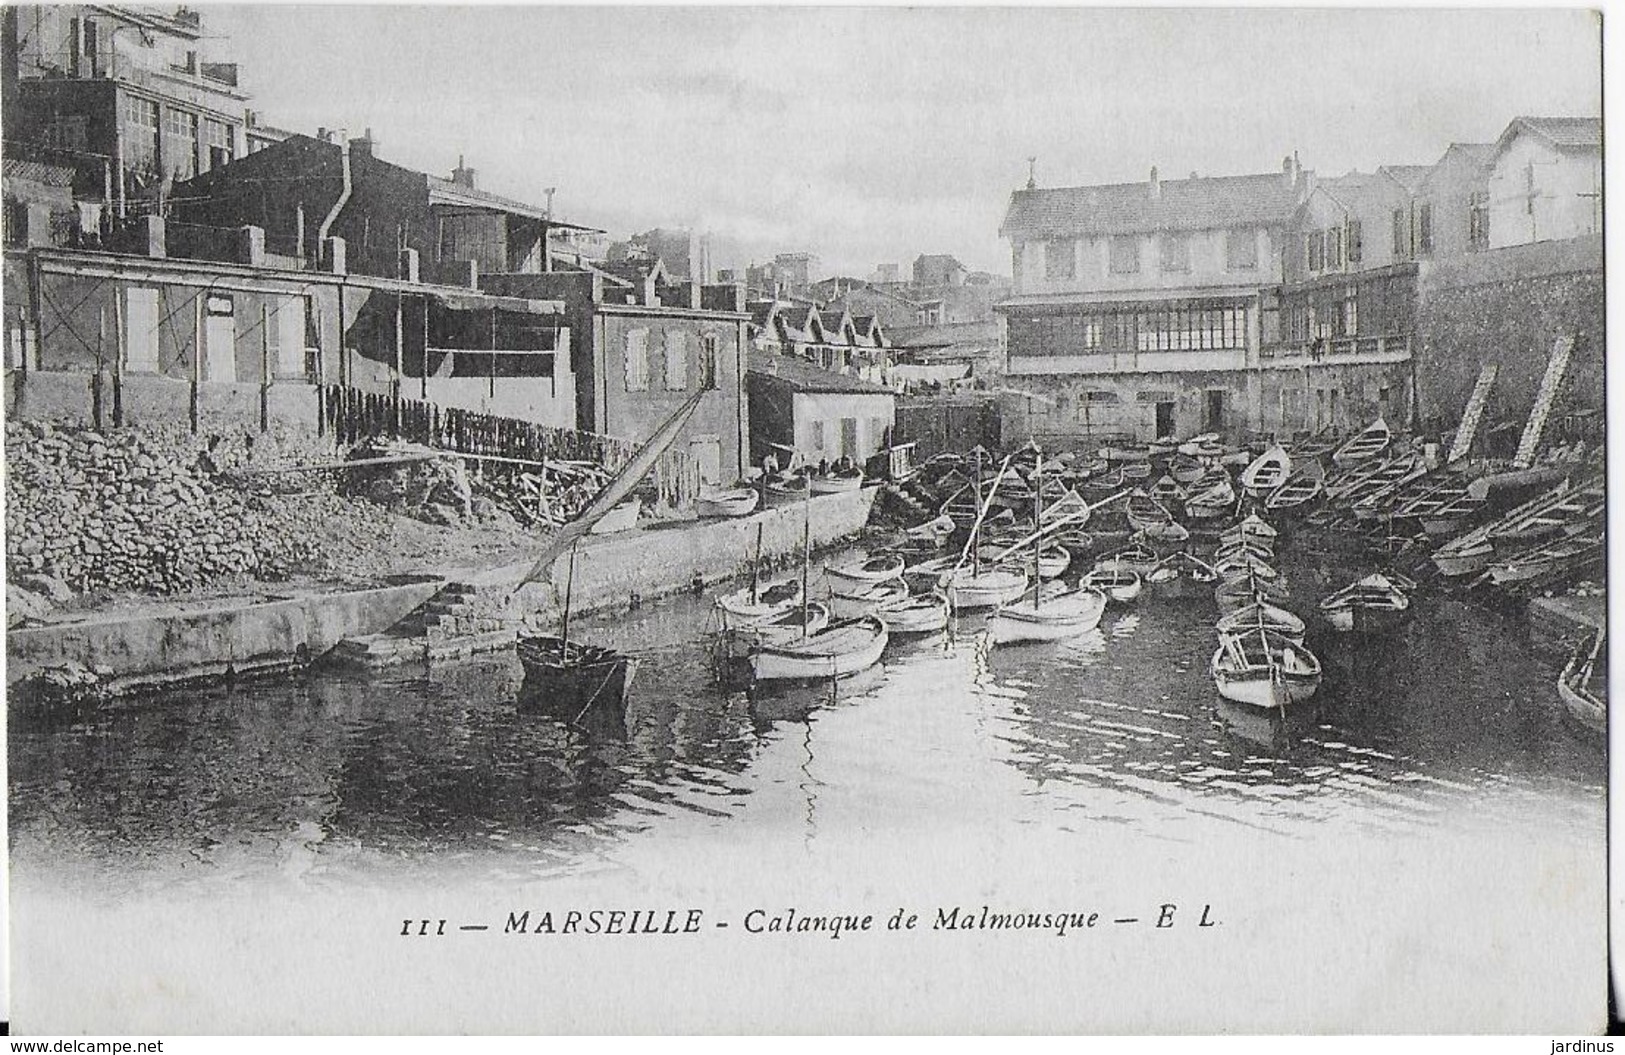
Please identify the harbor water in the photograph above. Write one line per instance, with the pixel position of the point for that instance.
(961, 758)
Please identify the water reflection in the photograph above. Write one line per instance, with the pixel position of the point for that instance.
(342, 776)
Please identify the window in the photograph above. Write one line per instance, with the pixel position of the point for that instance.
(1125, 254)
(1240, 250)
(1478, 220)
(708, 361)
(1038, 406)
(218, 145)
(818, 435)
(1424, 228)
(66, 133)
(1316, 250)
(180, 143)
(1355, 249)
(286, 336)
(1176, 252)
(140, 135)
(637, 361)
(1351, 311)
(676, 362)
(1334, 248)
(1060, 259)
(1402, 235)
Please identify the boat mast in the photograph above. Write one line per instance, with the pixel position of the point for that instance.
(806, 553)
(1038, 521)
(569, 587)
(756, 566)
(975, 533)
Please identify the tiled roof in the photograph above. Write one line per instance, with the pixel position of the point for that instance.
(1479, 152)
(1356, 189)
(1562, 132)
(444, 191)
(805, 377)
(1408, 176)
(1125, 208)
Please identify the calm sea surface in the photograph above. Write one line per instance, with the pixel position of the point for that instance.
(357, 777)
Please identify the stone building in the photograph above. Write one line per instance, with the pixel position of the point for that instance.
(1137, 309)
(1544, 180)
(820, 414)
(127, 96)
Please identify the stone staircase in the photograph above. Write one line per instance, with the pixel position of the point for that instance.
(461, 619)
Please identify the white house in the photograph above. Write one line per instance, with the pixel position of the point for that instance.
(1545, 180)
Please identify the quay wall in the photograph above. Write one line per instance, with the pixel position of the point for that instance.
(616, 571)
(213, 639)
(1508, 306)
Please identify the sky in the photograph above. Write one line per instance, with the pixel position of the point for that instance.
(871, 135)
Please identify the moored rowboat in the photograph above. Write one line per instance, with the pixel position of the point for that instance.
(844, 648)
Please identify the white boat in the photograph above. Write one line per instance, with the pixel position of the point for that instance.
(844, 648)
(1052, 560)
(1373, 604)
(878, 568)
(850, 603)
(1574, 686)
(1251, 526)
(1167, 489)
(1267, 472)
(728, 502)
(1118, 585)
(1180, 575)
(836, 481)
(1204, 446)
(620, 518)
(1264, 670)
(787, 627)
(1261, 615)
(1238, 546)
(917, 614)
(1367, 443)
(767, 601)
(1243, 563)
(968, 588)
(1207, 502)
(1071, 507)
(1146, 513)
(1134, 558)
(1047, 618)
(784, 489)
(937, 529)
(1465, 557)
(1185, 470)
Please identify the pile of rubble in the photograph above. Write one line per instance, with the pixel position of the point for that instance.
(149, 512)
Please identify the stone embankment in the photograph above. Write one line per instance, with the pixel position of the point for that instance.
(149, 512)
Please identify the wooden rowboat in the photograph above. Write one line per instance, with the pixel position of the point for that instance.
(1264, 670)
(770, 601)
(727, 502)
(1364, 445)
(852, 602)
(968, 588)
(837, 650)
(1576, 689)
(836, 481)
(1267, 472)
(1119, 585)
(1047, 618)
(876, 569)
(1261, 615)
(1371, 605)
(918, 614)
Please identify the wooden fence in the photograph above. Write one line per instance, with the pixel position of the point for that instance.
(351, 416)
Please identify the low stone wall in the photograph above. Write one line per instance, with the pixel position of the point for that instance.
(614, 571)
(211, 639)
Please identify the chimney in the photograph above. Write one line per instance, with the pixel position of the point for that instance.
(462, 175)
(1156, 185)
(363, 144)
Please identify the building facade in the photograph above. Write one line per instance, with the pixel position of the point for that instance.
(1136, 308)
(126, 96)
(819, 414)
(1544, 180)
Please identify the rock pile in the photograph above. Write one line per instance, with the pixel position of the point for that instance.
(147, 512)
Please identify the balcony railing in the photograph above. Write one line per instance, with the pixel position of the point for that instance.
(1387, 346)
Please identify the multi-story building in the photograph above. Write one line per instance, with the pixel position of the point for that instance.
(1456, 197)
(1544, 180)
(938, 269)
(125, 95)
(1136, 307)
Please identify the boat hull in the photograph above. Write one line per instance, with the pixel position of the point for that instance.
(916, 616)
(569, 678)
(827, 654)
(987, 590)
(1052, 619)
(736, 503)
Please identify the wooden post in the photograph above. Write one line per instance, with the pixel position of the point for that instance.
(96, 378)
(197, 357)
(400, 357)
(119, 343)
(423, 389)
(265, 368)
